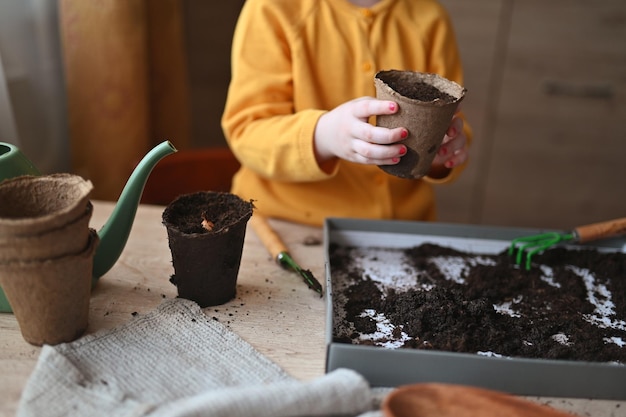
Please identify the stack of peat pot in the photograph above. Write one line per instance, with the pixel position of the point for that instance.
(46, 255)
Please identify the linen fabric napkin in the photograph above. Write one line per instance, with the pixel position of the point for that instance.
(176, 361)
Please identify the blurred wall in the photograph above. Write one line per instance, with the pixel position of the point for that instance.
(33, 112)
(209, 28)
(547, 101)
(126, 84)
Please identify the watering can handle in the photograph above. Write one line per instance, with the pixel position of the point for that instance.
(601, 230)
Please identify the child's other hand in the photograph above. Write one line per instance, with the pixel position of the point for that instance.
(453, 151)
(345, 133)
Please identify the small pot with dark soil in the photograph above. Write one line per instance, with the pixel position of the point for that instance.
(426, 105)
(206, 232)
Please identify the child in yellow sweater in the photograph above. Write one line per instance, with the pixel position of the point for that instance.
(302, 95)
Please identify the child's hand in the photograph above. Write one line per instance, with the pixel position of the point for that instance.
(345, 133)
(453, 151)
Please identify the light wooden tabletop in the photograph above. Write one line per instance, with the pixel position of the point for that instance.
(274, 310)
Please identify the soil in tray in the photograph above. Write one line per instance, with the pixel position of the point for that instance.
(571, 305)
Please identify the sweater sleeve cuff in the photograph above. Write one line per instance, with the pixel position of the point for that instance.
(452, 175)
(311, 169)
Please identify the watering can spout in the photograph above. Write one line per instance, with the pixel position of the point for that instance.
(114, 234)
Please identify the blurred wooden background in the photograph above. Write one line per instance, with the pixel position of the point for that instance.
(546, 99)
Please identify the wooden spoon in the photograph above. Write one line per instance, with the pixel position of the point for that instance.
(449, 400)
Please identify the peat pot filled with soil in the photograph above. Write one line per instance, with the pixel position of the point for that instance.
(426, 105)
(206, 232)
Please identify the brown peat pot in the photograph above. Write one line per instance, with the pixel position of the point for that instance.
(206, 232)
(426, 105)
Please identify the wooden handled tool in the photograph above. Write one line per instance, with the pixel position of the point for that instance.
(600, 230)
(279, 251)
(531, 245)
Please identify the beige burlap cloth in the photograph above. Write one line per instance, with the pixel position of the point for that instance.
(176, 361)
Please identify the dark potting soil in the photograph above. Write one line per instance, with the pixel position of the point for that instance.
(193, 212)
(575, 312)
(420, 91)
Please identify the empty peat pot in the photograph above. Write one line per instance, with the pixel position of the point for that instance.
(206, 232)
(426, 105)
(68, 239)
(46, 255)
(34, 205)
(50, 297)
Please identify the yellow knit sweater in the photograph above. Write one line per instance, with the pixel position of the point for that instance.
(293, 60)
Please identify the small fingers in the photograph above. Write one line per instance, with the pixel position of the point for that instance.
(379, 135)
(456, 127)
(453, 151)
(372, 154)
(452, 156)
(366, 107)
(458, 158)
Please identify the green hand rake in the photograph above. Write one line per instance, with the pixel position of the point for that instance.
(531, 245)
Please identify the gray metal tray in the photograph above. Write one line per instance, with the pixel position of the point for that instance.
(384, 367)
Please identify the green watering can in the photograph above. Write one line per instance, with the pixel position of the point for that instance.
(115, 232)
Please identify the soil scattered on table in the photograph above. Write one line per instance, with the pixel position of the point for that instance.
(571, 305)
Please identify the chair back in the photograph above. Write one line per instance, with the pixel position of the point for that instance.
(188, 171)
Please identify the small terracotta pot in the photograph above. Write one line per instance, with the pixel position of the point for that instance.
(206, 262)
(33, 205)
(70, 239)
(449, 400)
(426, 105)
(50, 298)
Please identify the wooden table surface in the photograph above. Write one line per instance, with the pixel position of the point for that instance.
(274, 310)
